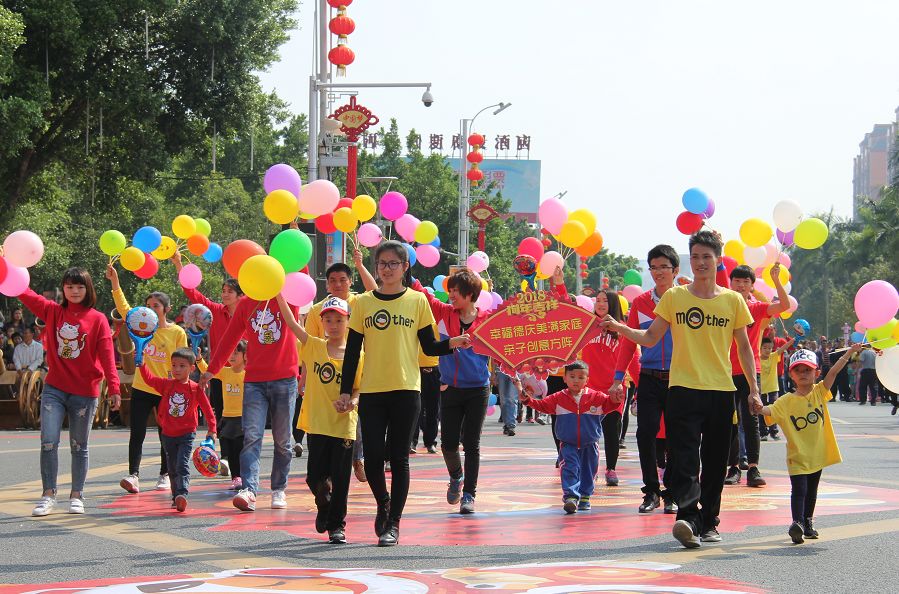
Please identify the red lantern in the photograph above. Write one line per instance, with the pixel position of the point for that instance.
(605, 282)
(475, 157)
(341, 56)
(339, 4)
(547, 242)
(583, 266)
(342, 25)
(475, 175)
(585, 274)
(476, 140)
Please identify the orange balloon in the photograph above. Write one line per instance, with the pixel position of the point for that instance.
(238, 252)
(197, 244)
(591, 246)
(446, 285)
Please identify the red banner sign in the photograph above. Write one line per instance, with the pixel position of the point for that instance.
(534, 332)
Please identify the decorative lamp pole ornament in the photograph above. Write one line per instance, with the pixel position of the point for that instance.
(342, 26)
(475, 157)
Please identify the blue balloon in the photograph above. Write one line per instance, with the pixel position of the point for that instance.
(411, 251)
(491, 401)
(801, 328)
(147, 239)
(141, 323)
(857, 337)
(436, 242)
(438, 282)
(213, 253)
(695, 201)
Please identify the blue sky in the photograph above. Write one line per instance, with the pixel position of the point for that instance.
(630, 103)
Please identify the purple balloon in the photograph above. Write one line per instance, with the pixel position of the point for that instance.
(282, 177)
(709, 210)
(785, 239)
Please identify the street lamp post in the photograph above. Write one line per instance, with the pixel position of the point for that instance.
(464, 184)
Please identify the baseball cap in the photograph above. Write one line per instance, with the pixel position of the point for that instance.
(804, 357)
(335, 304)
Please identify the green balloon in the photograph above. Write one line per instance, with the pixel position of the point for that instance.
(632, 277)
(203, 227)
(442, 296)
(292, 248)
(112, 242)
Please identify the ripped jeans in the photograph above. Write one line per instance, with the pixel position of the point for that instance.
(55, 404)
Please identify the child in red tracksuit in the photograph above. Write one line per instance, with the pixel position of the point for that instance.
(177, 417)
(579, 412)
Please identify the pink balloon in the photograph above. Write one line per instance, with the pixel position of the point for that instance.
(484, 257)
(763, 288)
(23, 248)
(427, 255)
(794, 305)
(369, 235)
(299, 289)
(319, 197)
(552, 215)
(485, 301)
(393, 205)
(876, 303)
(491, 410)
(531, 246)
(497, 299)
(190, 276)
(16, 281)
(406, 226)
(476, 263)
(550, 261)
(770, 254)
(585, 302)
(785, 260)
(859, 327)
(631, 292)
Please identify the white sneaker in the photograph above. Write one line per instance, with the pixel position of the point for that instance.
(163, 483)
(44, 506)
(130, 483)
(279, 499)
(224, 469)
(245, 500)
(76, 506)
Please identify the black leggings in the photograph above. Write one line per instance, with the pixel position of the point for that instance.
(554, 384)
(462, 412)
(298, 433)
(804, 495)
(749, 422)
(625, 418)
(142, 404)
(216, 398)
(391, 416)
(611, 434)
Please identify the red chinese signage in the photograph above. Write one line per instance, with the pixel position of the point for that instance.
(355, 119)
(534, 332)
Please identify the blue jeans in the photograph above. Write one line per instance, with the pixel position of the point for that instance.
(508, 399)
(178, 451)
(55, 404)
(279, 397)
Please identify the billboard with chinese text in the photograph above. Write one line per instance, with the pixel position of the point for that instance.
(517, 179)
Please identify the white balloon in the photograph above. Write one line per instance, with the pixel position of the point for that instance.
(788, 287)
(887, 366)
(755, 256)
(787, 215)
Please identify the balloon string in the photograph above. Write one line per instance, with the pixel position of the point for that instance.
(350, 236)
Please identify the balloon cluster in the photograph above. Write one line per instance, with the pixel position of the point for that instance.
(698, 207)
(575, 233)
(876, 304)
(424, 234)
(21, 250)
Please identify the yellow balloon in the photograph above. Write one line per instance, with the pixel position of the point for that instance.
(166, 248)
(755, 232)
(364, 207)
(784, 276)
(307, 216)
(524, 285)
(426, 232)
(896, 332)
(734, 249)
(484, 285)
(810, 234)
(625, 306)
(184, 226)
(132, 258)
(539, 274)
(786, 315)
(584, 217)
(573, 234)
(345, 220)
(261, 277)
(281, 207)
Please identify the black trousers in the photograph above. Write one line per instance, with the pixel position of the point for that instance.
(626, 415)
(749, 422)
(611, 434)
(652, 395)
(216, 398)
(804, 495)
(389, 417)
(429, 418)
(698, 430)
(297, 433)
(142, 404)
(462, 412)
(231, 442)
(330, 458)
(867, 382)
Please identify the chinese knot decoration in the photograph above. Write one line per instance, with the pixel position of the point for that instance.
(475, 157)
(341, 25)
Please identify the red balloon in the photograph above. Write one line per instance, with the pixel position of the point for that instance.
(729, 264)
(531, 246)
(149, 269)
(239, 252)
(3, 268)
(325, 223)
(688, 223)
(344, 203)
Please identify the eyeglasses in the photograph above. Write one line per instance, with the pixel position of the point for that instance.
(660, 268)
(392, 265)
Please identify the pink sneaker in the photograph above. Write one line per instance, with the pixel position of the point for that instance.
(611, 478)
(236, 484)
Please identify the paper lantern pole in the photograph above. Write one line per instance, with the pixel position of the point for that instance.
(354, 120)
(482, 213)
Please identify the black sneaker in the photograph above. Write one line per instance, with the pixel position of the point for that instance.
(683, 532)
(382, 517)
(810, 531)
(570, 505)
(336, 536)
(670, 506)
(763, 438)
(775, 437)
(510, 431)
(432, 449)
(754, 478)
(795, 533)
(622, 445)
(541, 421)
(733, 476)
(391, 536)
(650, 502)
(895, 408)
(744, 464)
(710, 535)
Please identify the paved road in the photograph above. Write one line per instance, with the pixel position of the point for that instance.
(518, 522)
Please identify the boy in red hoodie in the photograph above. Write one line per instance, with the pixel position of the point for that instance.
(177, 417)
(579, 411)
